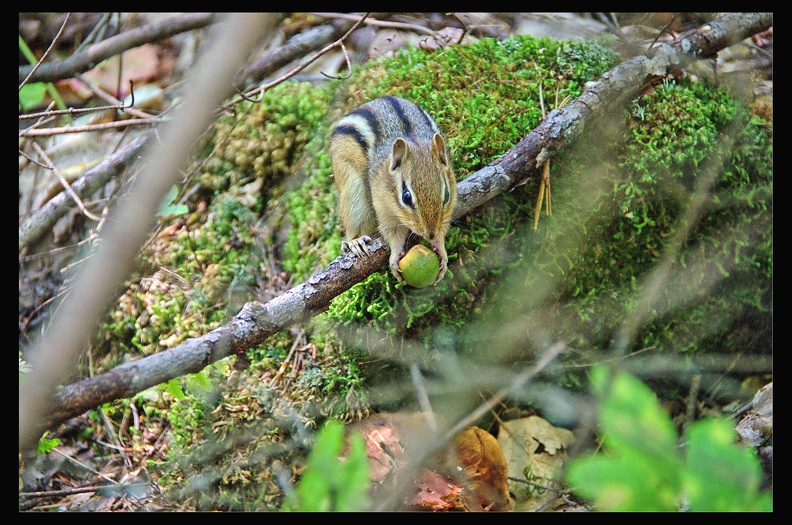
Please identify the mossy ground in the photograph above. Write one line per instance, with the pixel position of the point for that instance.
(264, 218)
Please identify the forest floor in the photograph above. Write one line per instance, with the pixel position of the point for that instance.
(71, 476)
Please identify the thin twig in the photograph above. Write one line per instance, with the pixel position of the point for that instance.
(116, 440)
(661, 31)
(69, 492)
(299, 68)
(46, 53)
(99, 27)
(465, 28)
(86, 467)
(48, 132)
(72, 111)
(516, 384)
(544, 181)
(539, 485)
(116, 103)
(66, 186)
(348, 64)
(31, 159)
(42, 120)
(300, 339)
(380, 23)
(610, 359)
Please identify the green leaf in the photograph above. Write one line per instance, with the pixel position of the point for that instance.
(721, 475)
(330, 483)
(31, 95)
(167, 209)
(627, 482)
(174, 388)
(354, 478)
(46, 445)
(199, 383)
(640, 468)
(633, 418)
(50, 88)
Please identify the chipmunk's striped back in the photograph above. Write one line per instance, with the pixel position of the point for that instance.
(380, 121)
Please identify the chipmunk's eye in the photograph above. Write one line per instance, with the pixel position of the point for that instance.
(406, 197)
(446, 194)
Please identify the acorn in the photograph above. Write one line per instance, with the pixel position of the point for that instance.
(420, 266)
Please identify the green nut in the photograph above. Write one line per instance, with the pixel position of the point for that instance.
(419, 266)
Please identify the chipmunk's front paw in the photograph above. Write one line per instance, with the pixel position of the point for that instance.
(394, 264)
(442, 272)
(359, 247)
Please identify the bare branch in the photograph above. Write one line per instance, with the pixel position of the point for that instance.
(297, 46)
(46, 53)
(723, 32)
(45, 217)
(83, 61)
(48, 132)
(117, 105)
(300, 67)
(66, 186)
(256, 322)
(53, 356)
(381, 23)
(328, 35)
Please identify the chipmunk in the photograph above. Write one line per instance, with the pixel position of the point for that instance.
(394, 176)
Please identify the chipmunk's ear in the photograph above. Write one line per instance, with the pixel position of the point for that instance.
(439, 149)
(398, 153)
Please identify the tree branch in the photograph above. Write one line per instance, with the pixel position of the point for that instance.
(297, 46)
(294, 70)
(45, 217)
(721, 33)
(130, 221)
(256, 322)
(83, 61)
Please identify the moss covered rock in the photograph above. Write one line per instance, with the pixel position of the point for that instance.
(660, 237)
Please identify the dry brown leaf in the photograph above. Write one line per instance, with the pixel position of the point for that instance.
(138, 64)
(477, 463)
(469, 475)
(435, 493)
(533, 443)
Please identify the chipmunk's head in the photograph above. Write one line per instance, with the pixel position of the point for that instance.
(424, 187)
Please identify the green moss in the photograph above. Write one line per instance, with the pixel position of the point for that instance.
(314, 235)
(598, 251)
(486, 96)
(732, 242)
(216, 260)
(188, 423)
(678, 131)
(620, 194)
(262, 142)
(618, 200)
(486, 99)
